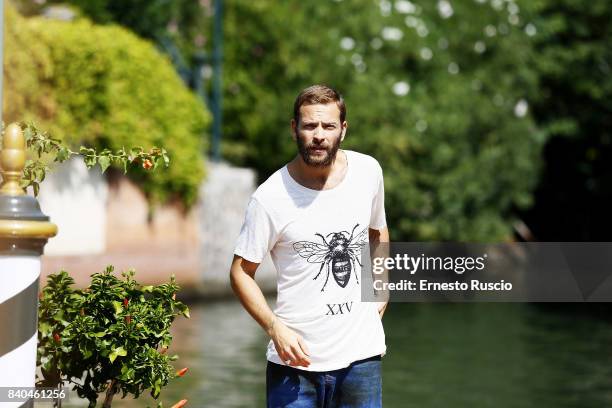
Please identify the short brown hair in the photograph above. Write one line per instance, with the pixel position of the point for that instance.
(318, 94)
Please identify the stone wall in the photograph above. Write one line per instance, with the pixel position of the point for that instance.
(75, 198)
(223, 201)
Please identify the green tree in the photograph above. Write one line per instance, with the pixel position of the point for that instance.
(105, 87)
(179, 27)
(574, 106)
(439, 93)
(110, 337)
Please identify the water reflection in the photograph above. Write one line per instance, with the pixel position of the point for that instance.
(439, 355)
(496, 355)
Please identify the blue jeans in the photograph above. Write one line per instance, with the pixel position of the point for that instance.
(356, 386)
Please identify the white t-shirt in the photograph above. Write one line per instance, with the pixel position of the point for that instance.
(314, 238)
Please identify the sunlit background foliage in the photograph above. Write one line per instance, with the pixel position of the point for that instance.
(485, 114)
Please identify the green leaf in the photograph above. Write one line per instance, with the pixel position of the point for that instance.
(28, 133)
(44, 328)
(87, 353)
(62, 154)
(135, 151)
(39, 172)
(166, 157)
(157, 388)
(90, 161)
(118, 352)
(118, 307)
(59, 316)
(87, 151)
(104, 162)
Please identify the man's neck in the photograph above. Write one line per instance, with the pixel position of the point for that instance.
(319, 178)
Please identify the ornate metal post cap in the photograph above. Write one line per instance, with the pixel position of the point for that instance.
(20, 214)
(12, 160)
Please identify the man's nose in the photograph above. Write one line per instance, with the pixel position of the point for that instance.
(318, 131)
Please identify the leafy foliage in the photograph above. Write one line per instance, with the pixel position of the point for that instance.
(181, 20)
(112, 334)
(459, 162)
(179, 27)
(48, 149)
(104, 87)
(438, 92)
(574, 106)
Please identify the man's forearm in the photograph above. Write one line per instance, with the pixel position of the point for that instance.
(290, 346)
(250, 295)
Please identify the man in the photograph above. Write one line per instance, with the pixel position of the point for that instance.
(313, 215)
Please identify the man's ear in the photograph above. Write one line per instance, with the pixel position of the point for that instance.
(344, 127)
(293, 130)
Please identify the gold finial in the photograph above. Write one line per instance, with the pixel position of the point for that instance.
(12, 160)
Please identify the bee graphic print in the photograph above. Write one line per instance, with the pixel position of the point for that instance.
(338, 254)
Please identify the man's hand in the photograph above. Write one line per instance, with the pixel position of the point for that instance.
(376, 237)
(382, 308)
(290, 346)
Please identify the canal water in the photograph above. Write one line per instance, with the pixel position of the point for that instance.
(439, 355)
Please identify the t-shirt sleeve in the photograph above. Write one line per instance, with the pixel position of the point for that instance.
(257, 235)
(378, 218)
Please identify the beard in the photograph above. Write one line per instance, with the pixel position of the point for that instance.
(317, 161)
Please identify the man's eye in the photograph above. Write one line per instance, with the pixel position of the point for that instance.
(330, 127)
